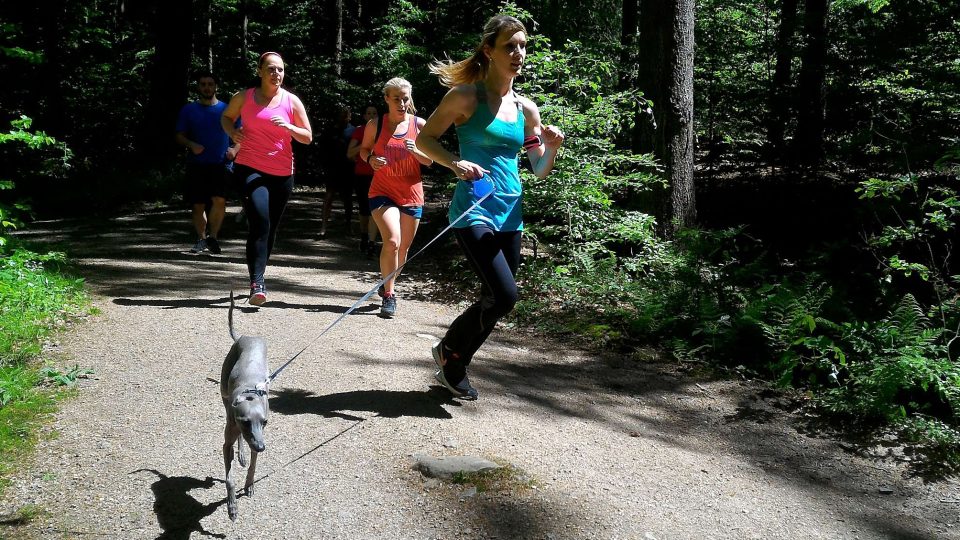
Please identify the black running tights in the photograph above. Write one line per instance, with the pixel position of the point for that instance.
(495, 257)
(264, 199)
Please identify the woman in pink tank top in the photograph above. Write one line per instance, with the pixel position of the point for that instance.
(396, 193)
(271, 118)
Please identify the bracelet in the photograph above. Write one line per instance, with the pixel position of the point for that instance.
(370, 155)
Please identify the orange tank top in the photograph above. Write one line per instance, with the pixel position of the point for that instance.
(400, 178)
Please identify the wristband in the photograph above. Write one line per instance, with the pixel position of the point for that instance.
(531, 142)
(370, 155)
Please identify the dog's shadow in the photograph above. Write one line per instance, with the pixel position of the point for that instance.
(178, 513)
(385, 403)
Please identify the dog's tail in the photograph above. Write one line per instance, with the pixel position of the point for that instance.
(230, 317)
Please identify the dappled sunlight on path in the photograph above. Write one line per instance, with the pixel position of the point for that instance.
(604, 445)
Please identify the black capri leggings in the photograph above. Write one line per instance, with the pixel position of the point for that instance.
(495, 257)
(265, 197)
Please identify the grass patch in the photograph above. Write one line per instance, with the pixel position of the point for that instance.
(505, 478)
(37, 298)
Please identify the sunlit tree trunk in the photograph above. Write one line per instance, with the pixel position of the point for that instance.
(209, 16)
(244, 46)
(678, 157)
(338, 44)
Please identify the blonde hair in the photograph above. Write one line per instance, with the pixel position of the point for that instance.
(475, 67)
(399, 83)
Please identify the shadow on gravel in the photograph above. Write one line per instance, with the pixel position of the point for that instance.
(385, 403)
(224, 303)
(509, 517)
(116, 247)
(178, 513)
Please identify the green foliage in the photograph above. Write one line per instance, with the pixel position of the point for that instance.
(577, 207)
(56, 377)
(23, 141)
(35, 297)
(917, 223)
(900, 369)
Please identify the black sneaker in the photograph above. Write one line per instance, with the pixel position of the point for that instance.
(200, 246)
(389, 307)
(463, 389)
(213, 245)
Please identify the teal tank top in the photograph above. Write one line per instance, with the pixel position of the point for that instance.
(494, 145)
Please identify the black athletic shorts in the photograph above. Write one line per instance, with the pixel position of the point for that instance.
(206, 180)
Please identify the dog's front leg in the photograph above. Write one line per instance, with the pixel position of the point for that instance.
(230, 434)
(251, 471)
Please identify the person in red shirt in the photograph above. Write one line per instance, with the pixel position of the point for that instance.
(362, 177)
(396, 193)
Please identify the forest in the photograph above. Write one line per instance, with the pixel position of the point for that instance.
(767, 188)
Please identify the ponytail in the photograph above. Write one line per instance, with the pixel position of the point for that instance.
(475, 67)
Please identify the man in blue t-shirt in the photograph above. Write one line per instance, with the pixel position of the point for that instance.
(199, 129)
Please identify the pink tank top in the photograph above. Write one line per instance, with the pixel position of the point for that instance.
(400, 178)
(266, 147)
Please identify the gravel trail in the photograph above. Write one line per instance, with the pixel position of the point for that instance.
(601, 447)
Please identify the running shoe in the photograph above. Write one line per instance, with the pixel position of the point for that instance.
(200, 246)
(450, 371)
(258, 294)
(213, 245)
(389, 307)
(463, 390)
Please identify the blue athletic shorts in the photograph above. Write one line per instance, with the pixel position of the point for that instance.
(412, 211)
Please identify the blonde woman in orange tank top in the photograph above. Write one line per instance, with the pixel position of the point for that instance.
(396, 193)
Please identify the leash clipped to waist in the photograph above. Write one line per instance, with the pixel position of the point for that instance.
(482, 188)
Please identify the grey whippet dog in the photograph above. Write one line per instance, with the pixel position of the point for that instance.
(243, 387)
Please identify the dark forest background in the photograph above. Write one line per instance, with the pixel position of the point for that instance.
(764, 186)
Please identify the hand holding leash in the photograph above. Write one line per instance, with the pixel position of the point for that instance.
(467, 170)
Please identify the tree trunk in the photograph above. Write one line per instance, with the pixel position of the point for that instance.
(678, 155)
(808, 142)
(51, 18)
(629, 30)
(209, 16)
(244, 47)
(780, 84)
(649, 77)
(169, 77)
(338, 43)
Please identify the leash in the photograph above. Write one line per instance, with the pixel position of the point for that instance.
(482, 187)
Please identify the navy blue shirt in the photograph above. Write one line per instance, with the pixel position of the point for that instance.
(201, 124)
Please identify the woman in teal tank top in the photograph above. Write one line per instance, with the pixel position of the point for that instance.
(493, 123)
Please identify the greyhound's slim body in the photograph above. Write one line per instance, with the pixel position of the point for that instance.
(243, 381)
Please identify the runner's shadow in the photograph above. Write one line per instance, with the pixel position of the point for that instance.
(222, 303)
(178, 513)
(318, 308)
(385, 403)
